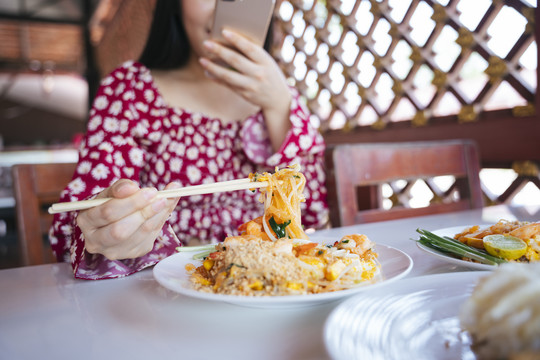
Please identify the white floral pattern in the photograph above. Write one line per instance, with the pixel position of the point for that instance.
(133, 134)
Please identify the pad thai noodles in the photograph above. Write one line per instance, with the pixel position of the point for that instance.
(272, 256)
(281, 201)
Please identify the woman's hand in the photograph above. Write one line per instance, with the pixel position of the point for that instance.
(254, 75)
(126, 226)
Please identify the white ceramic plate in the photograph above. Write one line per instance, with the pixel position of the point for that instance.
(451, 231)
(415, 318)
(171, 273)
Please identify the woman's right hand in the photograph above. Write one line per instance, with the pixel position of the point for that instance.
(126, 226)
(252, 73)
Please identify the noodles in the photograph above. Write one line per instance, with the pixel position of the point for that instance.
(272, 256)
(282, 200)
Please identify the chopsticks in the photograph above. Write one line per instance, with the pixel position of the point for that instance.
(232, 185)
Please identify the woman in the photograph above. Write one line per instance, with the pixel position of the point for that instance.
(205, 113)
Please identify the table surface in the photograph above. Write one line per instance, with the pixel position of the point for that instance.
(46, 313)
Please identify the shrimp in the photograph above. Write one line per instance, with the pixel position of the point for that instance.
(528, 231)
(254, 227)
(356, 243)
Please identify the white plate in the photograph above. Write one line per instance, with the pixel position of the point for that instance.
(416, 318)
(451, 231)
(171, 273)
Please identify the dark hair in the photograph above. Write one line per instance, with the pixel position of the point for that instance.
(167, 46)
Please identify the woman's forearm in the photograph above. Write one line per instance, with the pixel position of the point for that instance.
(278, 123)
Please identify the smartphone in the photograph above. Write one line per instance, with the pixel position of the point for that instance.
(250, 18)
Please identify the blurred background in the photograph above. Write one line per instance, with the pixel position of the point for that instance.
(53, 54)
(369, 70)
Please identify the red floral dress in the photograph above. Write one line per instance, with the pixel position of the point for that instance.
(132, 133)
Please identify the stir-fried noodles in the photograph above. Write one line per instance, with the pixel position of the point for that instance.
(272, 255)
(282, 200)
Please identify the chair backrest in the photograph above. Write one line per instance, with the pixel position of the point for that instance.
(357, 172)
(35, 187)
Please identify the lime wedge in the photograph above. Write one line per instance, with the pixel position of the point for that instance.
(505, 246)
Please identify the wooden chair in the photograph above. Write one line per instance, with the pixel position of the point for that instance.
(35, 187)
(356, 173)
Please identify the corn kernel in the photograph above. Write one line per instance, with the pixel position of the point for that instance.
(295, 286)
(208, 264)
(256, 285)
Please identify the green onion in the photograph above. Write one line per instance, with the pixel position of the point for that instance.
(206, 250)
(279, 229)
(229, 267)
(454, 247)
(203, 255)
(196, 248)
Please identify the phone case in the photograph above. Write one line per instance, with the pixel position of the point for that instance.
(250, 18)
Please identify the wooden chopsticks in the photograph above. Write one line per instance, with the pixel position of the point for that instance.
(232, 185)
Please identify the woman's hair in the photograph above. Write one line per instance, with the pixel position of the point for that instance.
(167, 46)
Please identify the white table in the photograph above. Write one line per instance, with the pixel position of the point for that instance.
(46, 314)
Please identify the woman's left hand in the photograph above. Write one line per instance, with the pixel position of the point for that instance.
(253, 74)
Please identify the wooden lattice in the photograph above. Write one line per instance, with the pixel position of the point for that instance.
(369, 64)
(347, 58)
(401, 193)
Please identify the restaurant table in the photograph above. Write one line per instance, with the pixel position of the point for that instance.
(47, 314)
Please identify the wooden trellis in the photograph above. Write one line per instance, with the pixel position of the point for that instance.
(329, 48)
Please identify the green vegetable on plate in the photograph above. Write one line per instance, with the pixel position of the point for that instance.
(455, 248)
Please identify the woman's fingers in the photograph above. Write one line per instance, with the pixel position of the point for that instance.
(223, 75)
(117, 209)
(148, 232)
(130, 235)
(253, 52)
(230, 57)
(143, 238)
(254, 75)
(172, 202)
(120, 189)
(127, 236)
